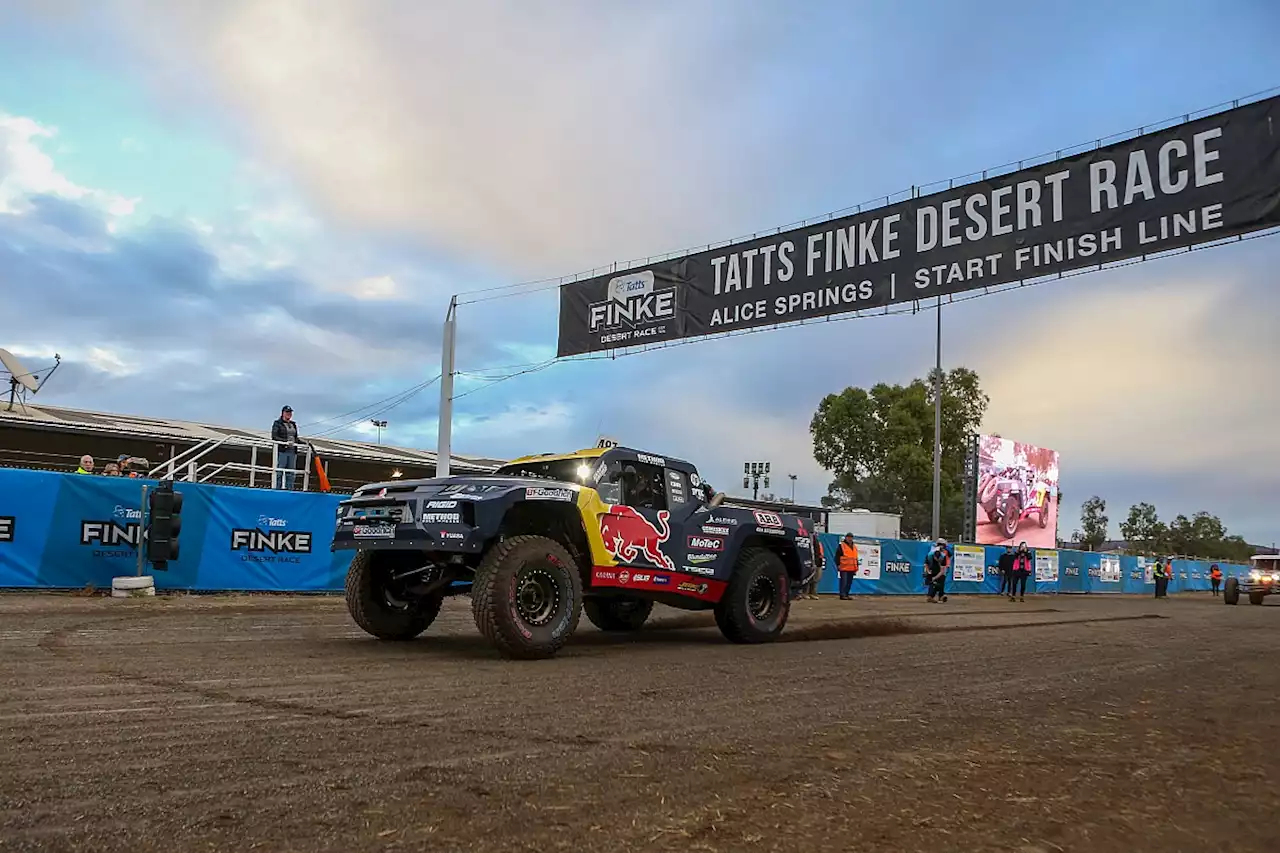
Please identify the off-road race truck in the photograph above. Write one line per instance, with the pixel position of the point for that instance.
(1263, 580)
(608, 530)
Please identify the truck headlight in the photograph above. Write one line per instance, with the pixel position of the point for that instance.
(1255, 576)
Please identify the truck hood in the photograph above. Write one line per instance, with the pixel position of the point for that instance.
(470, 488)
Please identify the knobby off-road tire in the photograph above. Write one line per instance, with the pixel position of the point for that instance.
(379, 612)
(527, 597)
(757, 601)
(1231, 591)
(618, 614)
(1257, 597)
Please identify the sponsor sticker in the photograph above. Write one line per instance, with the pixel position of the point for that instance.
(541, 493)
(604, 575)
(715, 529)
(702, 558)
(661, 580)
(651, 460)
(442, 518)
(445, 534)
(601, 470)
(374, 531)
(768, 519)
(772, 531)
(706, 543)
(695, 480)
(624, 577)
(729, 520)
(442, 504)
(700, 570)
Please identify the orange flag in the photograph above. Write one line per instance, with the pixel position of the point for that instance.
(320, 475)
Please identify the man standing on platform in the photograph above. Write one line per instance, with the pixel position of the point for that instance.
(284, 432)
(847, 565)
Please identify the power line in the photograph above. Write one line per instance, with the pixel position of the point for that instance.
(402, 398)
(369, 406)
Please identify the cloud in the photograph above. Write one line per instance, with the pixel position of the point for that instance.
(26, 170)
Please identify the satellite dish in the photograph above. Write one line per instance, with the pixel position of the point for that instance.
(21, 378)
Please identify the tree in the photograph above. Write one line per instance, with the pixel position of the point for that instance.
(1143, 527)
(1093, 522)
(879, 445)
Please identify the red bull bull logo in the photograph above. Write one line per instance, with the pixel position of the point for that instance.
(630, 537)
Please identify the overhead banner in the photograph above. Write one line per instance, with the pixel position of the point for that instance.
(1200, 181)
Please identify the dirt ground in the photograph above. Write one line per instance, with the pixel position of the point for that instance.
(272, 723)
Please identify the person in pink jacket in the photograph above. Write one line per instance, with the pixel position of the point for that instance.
(1022, 566)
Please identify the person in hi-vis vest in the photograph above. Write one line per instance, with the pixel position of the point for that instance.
(1215, 577)
(847, 565)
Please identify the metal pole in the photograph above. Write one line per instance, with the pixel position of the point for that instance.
(446, 388)
(142, 526)
(937, 431)
(253, 466)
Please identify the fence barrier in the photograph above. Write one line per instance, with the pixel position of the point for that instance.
(67, 531)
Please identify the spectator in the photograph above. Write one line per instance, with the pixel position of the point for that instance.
(847, 565)
(284, 432)
(1022, 566)
(1006, 571)
(936, 566)
(1215, 578)
(86, 465)
(1161, 576)
(819, 563)
(111, 469)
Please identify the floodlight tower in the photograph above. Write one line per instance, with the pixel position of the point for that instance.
(752, 474)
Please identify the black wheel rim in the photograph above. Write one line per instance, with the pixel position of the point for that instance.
(762, 598)
(537, 595)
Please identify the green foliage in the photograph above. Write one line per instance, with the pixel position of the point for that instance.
(1093, 521)
(1202, 536)
(879, 446)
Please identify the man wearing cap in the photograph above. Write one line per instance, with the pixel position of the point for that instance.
(284, 432)
(936, 566)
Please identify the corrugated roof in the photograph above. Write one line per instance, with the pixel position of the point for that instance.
(133, 426)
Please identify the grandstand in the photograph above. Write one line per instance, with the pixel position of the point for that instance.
(54, 438)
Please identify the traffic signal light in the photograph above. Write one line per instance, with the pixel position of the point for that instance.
(165, 510)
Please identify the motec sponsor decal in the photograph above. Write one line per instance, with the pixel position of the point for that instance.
(706, 543)
(7, 525)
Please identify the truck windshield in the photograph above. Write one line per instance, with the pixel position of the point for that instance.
(563, 470)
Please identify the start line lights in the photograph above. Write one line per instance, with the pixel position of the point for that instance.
(755, 471)
(164, 507)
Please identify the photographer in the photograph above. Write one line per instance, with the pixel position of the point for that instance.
(936, 566)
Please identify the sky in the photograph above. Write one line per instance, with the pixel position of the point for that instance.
(213, 209)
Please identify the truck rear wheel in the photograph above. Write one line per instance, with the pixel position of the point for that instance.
(1256, 596)
(527, 597)
(376, 605)
(624, 613)
(1231, 591)
(757, 601)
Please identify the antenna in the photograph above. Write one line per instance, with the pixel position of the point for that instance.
(21, 378)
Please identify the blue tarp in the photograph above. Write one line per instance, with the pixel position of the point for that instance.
(65, 531)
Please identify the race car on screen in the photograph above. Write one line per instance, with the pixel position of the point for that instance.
(605, 530)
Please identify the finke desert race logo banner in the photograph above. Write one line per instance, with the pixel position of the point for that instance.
(1200, 181)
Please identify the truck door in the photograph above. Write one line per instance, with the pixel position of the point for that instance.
(639, 532)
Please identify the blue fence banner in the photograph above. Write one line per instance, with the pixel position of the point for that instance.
(68, 531)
